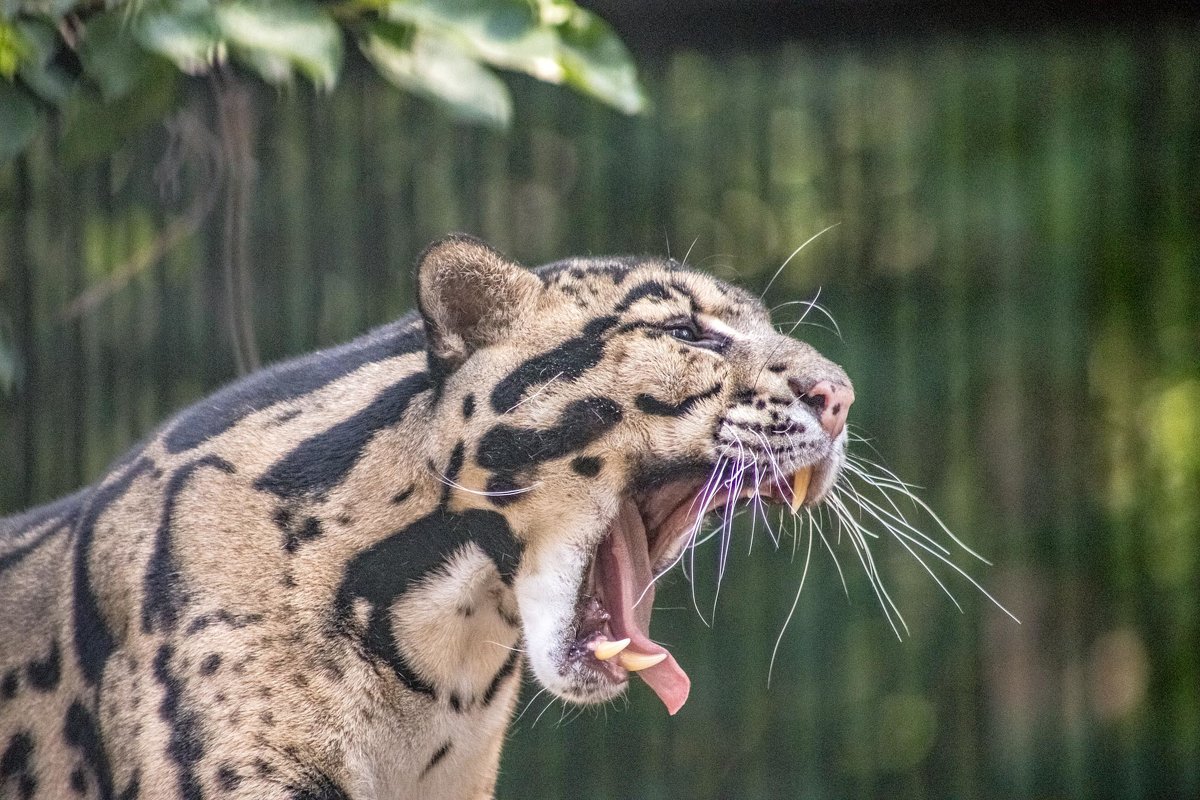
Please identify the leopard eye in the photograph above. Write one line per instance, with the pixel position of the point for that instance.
(683, 333)
(690, 332)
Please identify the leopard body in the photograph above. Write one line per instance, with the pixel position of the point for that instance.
(325, 580)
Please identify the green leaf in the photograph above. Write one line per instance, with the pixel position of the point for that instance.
(505, 33)
(189, 38)
(436, 67)
(14, 49)
(275, 37)
(597, 63)
(552, 40)
(19, 120)
(95, 128)
(112, 56)
(39, 71)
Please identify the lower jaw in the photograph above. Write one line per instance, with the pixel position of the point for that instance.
(670, 516)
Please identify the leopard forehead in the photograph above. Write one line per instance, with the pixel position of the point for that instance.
(616, 284)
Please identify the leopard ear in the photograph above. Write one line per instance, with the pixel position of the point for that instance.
(469, 296)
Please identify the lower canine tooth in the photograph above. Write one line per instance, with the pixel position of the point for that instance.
(800, 483)
(603, 651)
(636, 662)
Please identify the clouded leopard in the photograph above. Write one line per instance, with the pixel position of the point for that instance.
(324, 580)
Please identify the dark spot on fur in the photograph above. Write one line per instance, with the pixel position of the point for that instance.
(82, 733)
(323, 460)
(318, 786)
(438, 756)
(456, 703)
(305, 532)
(17, 762)
(456, 461)
(227, 778)
(10, 685)
(468, 406)
(93, 641)
(508, 618)
(267, 718)
(654, 473)
(79, 781)
(505, 491)
(567, 362)
(263, 768)
(587, 466)
(44, 675)
(210, 664)
(300, 679)
(134, 788)
(214, 415)
(508, 449)
(686, 292)
(287, 416)
(649, 289)
(186, 743)
(345, 520)
(383, 572)
(223, 617)
(506, 669)
(164, 595)
(655, 407)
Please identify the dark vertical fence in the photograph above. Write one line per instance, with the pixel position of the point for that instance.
(1016, 277)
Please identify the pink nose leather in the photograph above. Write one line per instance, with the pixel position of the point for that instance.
(832, 402)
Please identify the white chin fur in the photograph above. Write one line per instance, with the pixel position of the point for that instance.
(547, 589)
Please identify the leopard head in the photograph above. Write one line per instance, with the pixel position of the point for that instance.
(607, 406)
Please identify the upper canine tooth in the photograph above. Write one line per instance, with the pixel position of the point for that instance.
(636, 662)
(605, 650)
(800, 483)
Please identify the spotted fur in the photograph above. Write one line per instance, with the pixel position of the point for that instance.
(324, 580)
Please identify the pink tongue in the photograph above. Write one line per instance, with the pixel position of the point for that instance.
(623, 573)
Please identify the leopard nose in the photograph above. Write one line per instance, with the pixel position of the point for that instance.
(831, 402)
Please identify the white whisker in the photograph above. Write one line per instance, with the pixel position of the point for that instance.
(900, 487)
(853, 532)
(795, 602)
(541, 389)
(498, 493)
(540, 692)
(787, 260)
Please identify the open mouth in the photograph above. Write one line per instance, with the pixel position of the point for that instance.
(645, 539)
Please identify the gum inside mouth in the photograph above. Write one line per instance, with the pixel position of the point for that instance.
(643, 541)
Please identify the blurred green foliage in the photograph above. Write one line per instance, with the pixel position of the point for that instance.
(1016, 278)
(110, 69)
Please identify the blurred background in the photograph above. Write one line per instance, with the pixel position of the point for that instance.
(1014, 272)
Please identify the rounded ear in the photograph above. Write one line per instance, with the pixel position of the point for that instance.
(469, 296)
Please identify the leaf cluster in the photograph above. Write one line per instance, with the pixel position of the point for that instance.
(109, 67)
